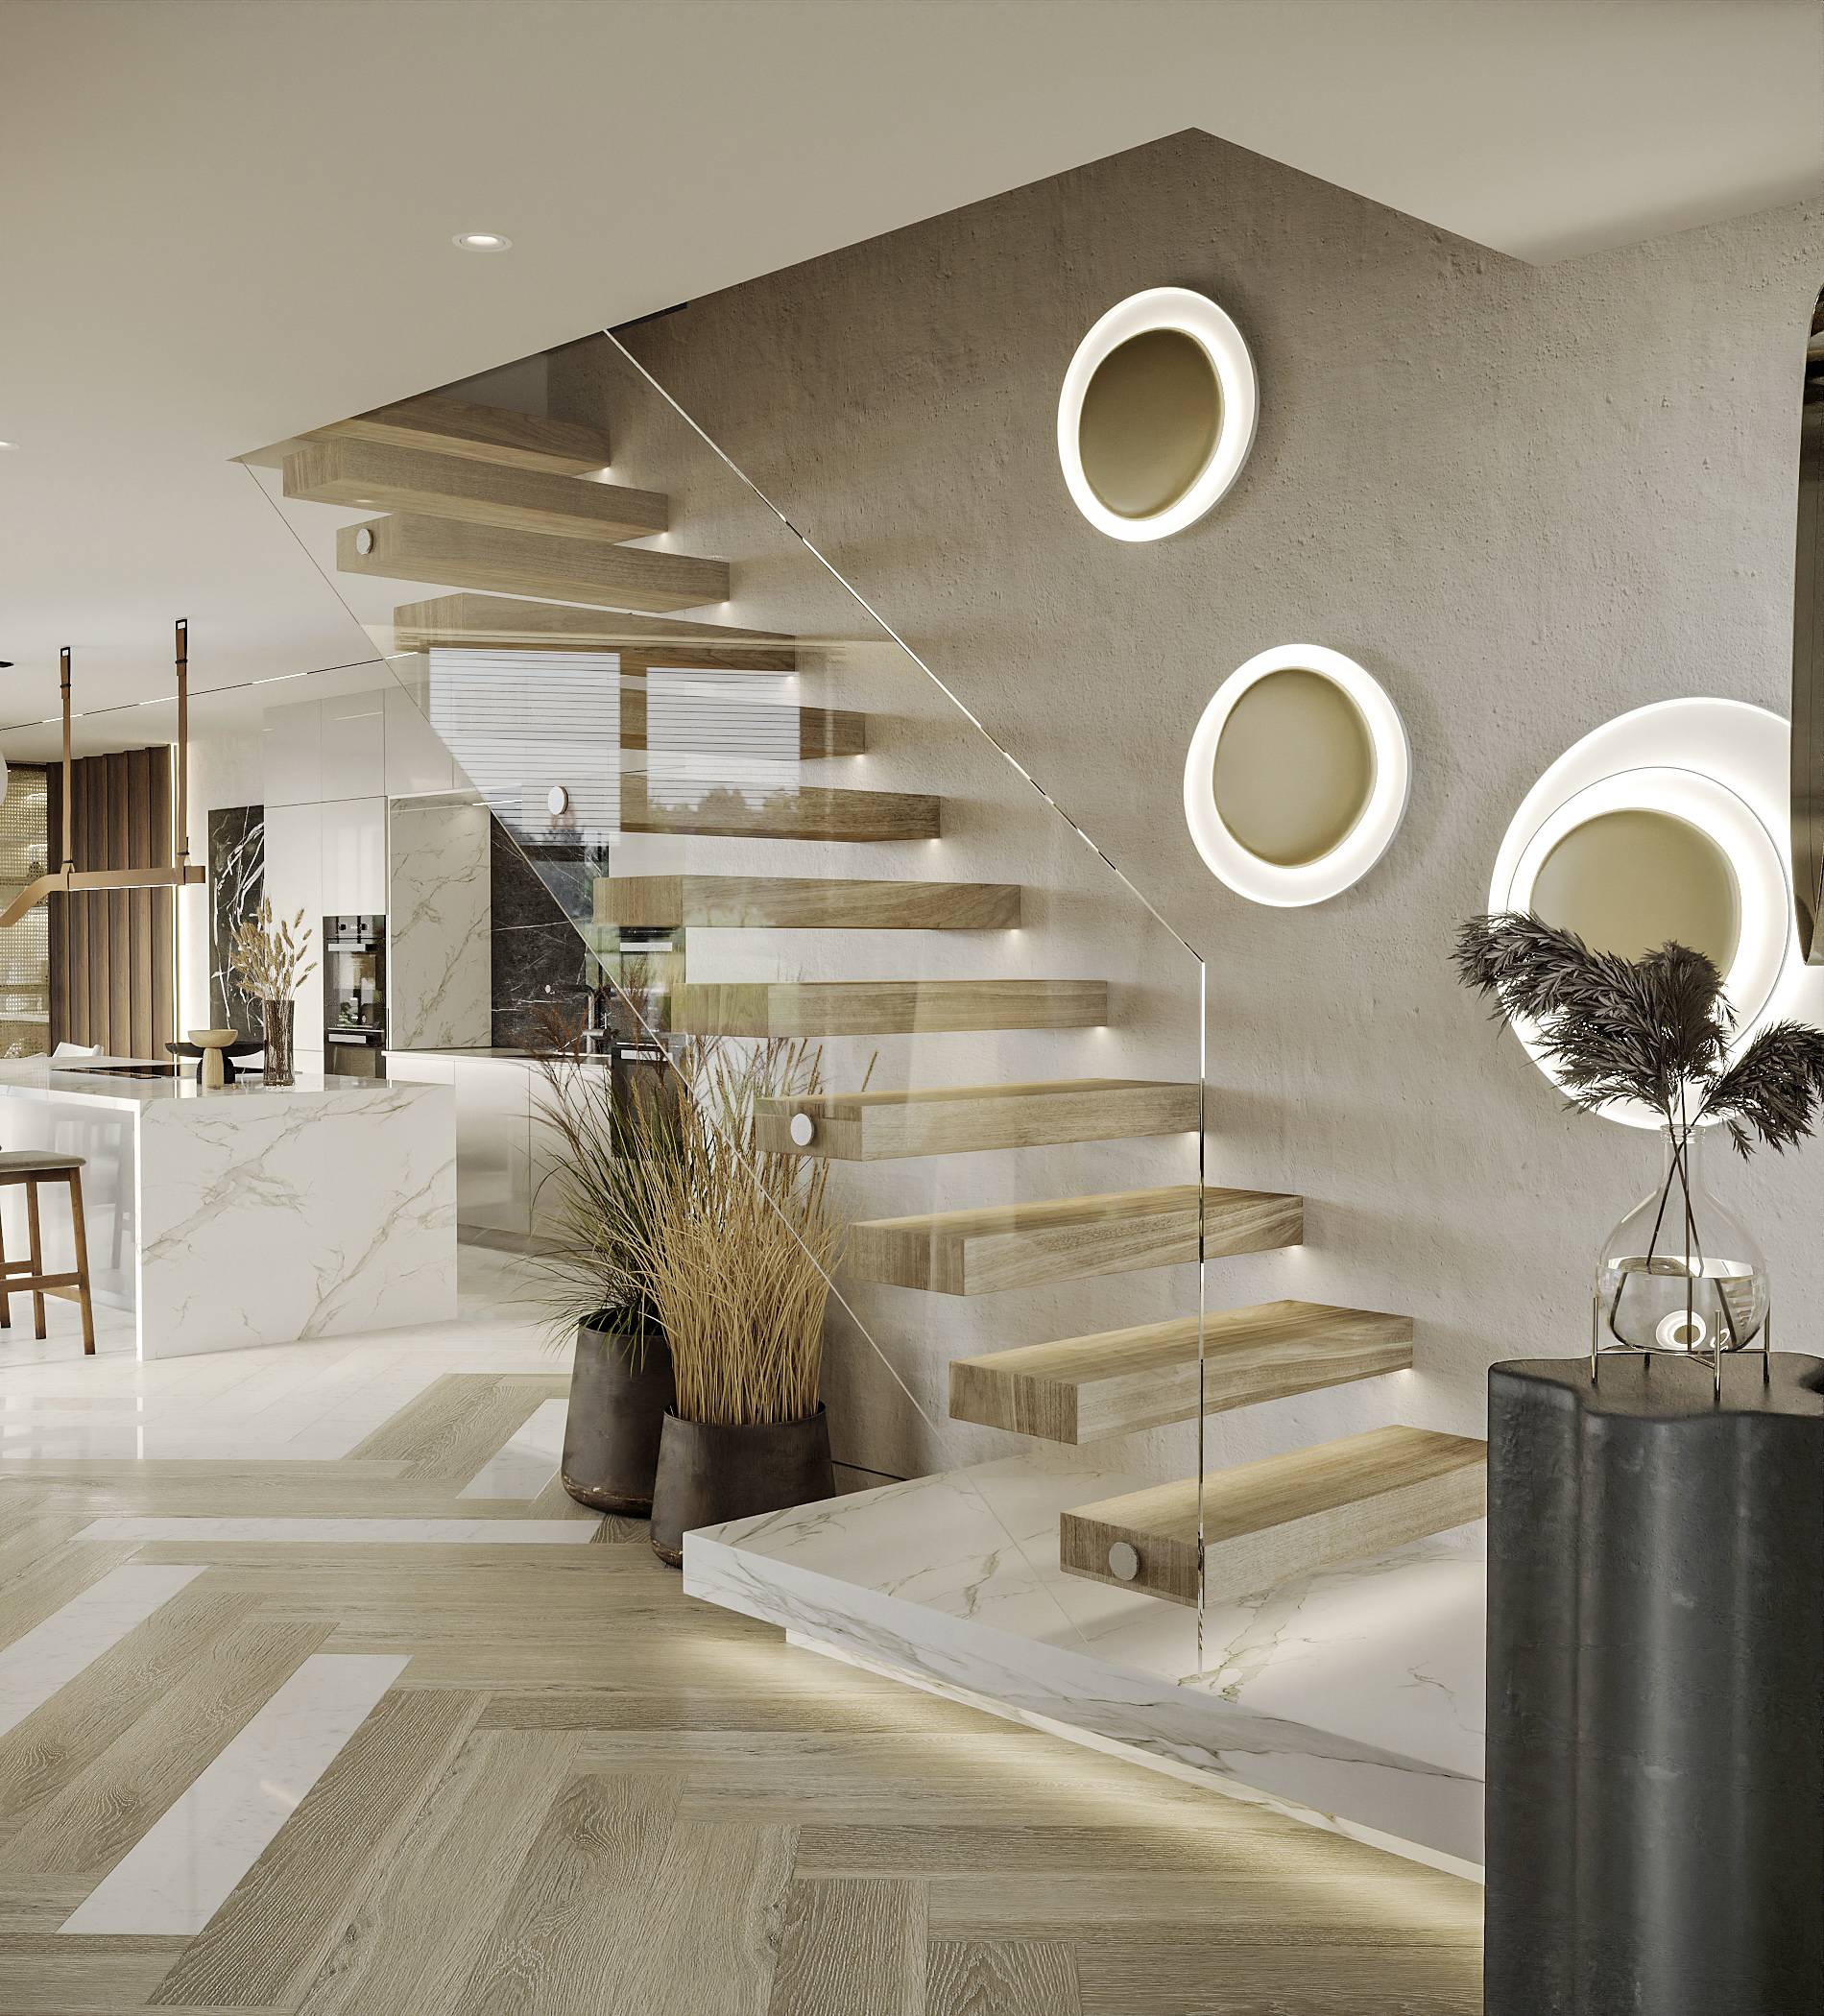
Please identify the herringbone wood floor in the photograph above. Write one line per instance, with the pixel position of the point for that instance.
(587, 1795)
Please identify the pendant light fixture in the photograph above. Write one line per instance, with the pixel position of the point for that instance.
(70, 879)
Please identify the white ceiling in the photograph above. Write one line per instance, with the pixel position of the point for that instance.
(227, 220)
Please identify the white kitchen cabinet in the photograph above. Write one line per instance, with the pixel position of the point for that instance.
(416, 760)
(353, 877)
(353, 740)
(291, 754)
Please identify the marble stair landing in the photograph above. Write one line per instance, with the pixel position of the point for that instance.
(1352, 1699)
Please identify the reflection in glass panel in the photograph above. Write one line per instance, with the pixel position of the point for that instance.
(25, 952)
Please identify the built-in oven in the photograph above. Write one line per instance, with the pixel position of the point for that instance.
(354, 996)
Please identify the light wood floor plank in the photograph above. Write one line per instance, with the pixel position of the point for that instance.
(850, 1949)
(271, 1938)
(101, 1812)
(1242, 1907)
(79, 1983)
(565, 1932)
(1140, 1974)
(56, 1743)
(706, 1936)
(1017, 1978)
(1213, 1847)
(419, 1933)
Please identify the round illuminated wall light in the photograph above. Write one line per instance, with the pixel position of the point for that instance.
(482, 241)
(1157, 413)
(1297, 777)
(1657, 825)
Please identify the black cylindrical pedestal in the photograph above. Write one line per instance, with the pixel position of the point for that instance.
(1656, 1689)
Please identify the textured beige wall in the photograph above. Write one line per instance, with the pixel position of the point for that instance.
(1526, 499)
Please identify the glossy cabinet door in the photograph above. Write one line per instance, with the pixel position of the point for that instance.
(354, 856)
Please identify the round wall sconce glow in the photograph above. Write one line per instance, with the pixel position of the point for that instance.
(1297, 777)
(482, 241)
(557, 800)
(1656, 826)
(1157, 413)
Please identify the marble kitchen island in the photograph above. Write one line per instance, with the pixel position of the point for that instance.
(249, 1214)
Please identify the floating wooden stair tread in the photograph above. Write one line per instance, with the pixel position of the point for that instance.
(468, 622)
(1265, 1522)
(1119, 1381)
(386, 478)
(762, 902)
(410, 547)
(517, 441)
(808, 812)
(877, 1126)
(1070, 1238)
(886, 1007)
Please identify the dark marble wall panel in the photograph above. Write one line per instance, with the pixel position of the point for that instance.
(237, 880)
(539, 960)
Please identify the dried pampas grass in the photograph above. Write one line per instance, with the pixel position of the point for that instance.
(664, 1205)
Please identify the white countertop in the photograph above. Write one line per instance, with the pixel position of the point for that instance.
(35, 1077)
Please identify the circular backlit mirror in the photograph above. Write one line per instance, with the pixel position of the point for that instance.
(1296, 779)
(1157, 413)
(1658, 827)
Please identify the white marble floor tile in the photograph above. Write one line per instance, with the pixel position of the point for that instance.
(51, 1654)
(345, 1532)
(178, 1876)
(527, 1461)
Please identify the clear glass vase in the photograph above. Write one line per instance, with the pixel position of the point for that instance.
(1680, 1272)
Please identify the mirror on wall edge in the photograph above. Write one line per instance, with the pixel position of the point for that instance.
(1808, 653)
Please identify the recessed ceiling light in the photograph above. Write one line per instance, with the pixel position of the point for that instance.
(482, 241)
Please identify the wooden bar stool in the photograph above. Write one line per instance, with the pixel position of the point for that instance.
(33, 1166)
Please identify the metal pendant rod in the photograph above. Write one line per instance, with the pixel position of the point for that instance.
(184, 740)
(68, 862)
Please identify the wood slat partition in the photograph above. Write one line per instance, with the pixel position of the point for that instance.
(113, 953)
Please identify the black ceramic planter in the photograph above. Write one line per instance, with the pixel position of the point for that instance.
(1656, 1687)
(617, 1404)
(710, 1472)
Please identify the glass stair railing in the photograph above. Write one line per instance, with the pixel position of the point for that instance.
(761, 816)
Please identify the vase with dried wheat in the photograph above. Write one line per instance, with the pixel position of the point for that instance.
(740, 1243)
(267, 958)
(611, 1137)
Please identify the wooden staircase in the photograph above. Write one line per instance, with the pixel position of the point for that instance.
(766, 902)
(466, 622)
(380, 478)
(883, 1126)
(1119, 1382)
(511, 517)
(1266, 1523)
(410, 546)
(885, 1007)
(1070, 1238)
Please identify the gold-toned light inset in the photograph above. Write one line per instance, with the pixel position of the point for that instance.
(1150, 421)
(1631, 880)
(1295, 768)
